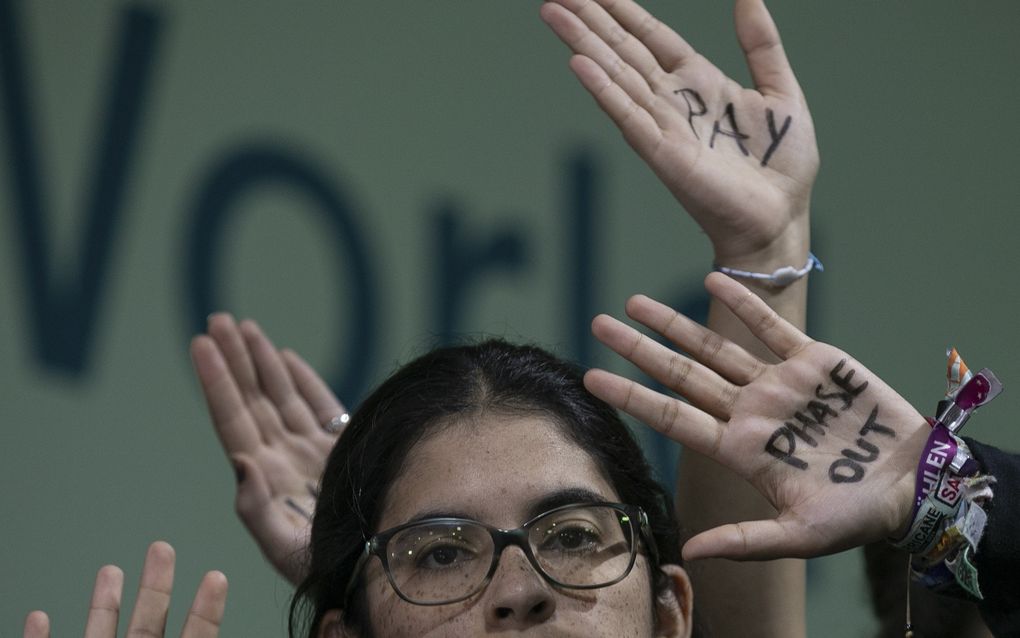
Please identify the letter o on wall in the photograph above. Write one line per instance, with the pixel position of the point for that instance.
(257, 165)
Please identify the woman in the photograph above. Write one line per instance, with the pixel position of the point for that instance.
(500, 434)
(492, 435)
(749, 188)
(751, 197)
(495, 436)
(482, 489)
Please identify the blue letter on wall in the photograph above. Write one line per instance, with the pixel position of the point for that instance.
(63, 309)
(257, 166)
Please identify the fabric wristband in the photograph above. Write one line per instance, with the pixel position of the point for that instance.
(780, 277)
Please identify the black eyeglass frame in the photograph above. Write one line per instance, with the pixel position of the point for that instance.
(503, 538)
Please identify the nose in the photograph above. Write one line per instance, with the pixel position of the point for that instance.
(518, 597)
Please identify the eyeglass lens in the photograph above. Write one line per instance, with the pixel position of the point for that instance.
(582, 547)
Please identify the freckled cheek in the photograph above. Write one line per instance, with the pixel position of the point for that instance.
(632, 604)
(394, 617)
(624, 609)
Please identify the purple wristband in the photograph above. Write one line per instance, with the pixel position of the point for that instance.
(939, 452)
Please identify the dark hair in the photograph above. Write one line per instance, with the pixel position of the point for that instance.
(423, 395)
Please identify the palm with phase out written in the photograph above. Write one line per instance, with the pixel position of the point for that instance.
(828, 443)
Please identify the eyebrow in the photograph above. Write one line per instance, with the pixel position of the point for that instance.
(550, 501)
(568, 496)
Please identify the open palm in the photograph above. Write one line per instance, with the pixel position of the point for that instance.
(271, 412)
(740, 160)
(827, 442)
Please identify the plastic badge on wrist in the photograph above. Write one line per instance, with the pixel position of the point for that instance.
(965, 572)
(978, 391)
(957, 373)
(946, 458)
(973, 524)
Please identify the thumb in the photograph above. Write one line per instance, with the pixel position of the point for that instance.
(749, 540)
(282, 541)
(253, 493)
(766, 59)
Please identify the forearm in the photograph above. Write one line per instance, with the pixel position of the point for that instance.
(710, 495)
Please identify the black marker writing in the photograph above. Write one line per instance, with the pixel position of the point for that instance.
(802, 432)
(820, 412)
(872, 425)
(810, 425)
(687, 95)
(812, 422)
(870, 448)
(847, 392)
(852, 459)
(784, 455)
(777, 137)
(696, 107)
(734, 131)
(856, 471)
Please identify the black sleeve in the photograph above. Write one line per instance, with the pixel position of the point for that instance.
(998, 555)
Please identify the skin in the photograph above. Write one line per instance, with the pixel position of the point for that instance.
(756, 218)
(270, 411)
(151, 605)
(499, 485)
(737, 401)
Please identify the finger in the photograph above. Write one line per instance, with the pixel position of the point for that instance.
(671, 50)
(37, 625)
(674, 418)
(227, 335)
(718, 353)
(588, 30)
(778, 335)
(620, 90)
(149, 615)
(275, 379)
(703, 387)
(639, 128)
(766, 59)
(750, 540)
(104, 610)
(316, 393)
(231, 419)
(206, 612)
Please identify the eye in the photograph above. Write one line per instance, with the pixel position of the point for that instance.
(444, 557)
(571, 537)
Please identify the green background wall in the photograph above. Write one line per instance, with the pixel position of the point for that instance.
(409, 111)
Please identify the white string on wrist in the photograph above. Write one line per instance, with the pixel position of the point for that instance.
(780, 277)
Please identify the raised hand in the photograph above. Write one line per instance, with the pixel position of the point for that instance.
(277, 421)
(740, 160)
(828, 443)
(151, 605)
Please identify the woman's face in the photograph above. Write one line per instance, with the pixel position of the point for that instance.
(503, 470)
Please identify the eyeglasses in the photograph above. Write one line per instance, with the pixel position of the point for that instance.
(445, 560)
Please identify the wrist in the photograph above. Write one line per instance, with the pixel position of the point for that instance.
(788, 247)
